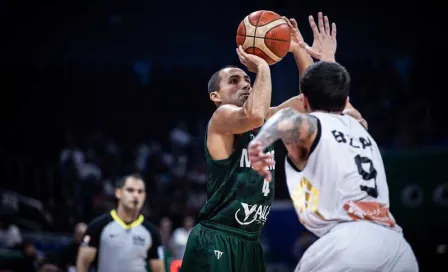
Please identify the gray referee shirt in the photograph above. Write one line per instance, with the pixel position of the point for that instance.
(123, 247)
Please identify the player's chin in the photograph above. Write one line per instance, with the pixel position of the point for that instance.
(243, 99)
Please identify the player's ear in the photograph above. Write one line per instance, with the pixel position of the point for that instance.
(306, 105)
(118, 193)
(215, 97)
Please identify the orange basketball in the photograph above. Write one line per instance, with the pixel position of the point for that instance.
(265, 34)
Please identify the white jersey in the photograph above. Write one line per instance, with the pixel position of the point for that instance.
(344, 178)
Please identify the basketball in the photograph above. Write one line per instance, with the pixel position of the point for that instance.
(265, 34)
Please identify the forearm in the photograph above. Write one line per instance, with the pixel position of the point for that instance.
(82, 266)
(259, 101)
(353, 112)
(294, 102)
(288, 125)
(303, 60)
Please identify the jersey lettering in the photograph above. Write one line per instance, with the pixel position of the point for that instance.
(245, 162)
(360, 142)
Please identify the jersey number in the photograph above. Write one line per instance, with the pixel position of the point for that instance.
(371, 174)
(266, 189)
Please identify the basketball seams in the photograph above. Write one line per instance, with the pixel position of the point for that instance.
(265, 36)
(255, 31)
(257, 37)
(273, 39)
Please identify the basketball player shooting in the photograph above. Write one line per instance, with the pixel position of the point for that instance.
(334, 172)
(227, 235)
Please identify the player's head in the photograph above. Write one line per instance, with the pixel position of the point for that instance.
(325, 87)
(130, 192)
(229, 85)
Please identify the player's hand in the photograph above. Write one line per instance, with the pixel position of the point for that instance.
(252, 62)
(259, 160)
(296, 36)
(324, 44)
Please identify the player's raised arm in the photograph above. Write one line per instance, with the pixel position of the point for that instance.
(296, 130)
(231, 118)
(323, 48)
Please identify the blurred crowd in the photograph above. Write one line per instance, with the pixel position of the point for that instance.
(64, 155)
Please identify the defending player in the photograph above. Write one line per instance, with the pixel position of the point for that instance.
(335, 176)
(122, 240)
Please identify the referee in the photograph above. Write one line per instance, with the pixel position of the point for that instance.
(122, 240)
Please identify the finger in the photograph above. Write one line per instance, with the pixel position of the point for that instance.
(310, 50)
(266, 157)
(327, 25)
(304, 45)
(294, 23)
(261, 158)
(313, 53)
(287, 21)
(269, 162)
(267, 176)
(313, 27)
(320, 22)
(240, 57)
(333, 30)
(241, 54)
(257, 166)
(255, 148)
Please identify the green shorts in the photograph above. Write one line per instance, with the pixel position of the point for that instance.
(216, 248)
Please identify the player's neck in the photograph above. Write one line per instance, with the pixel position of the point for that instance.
(126, 215)
(331, 112)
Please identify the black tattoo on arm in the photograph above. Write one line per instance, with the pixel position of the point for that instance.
(288, 125)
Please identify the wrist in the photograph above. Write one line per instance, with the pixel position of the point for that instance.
(328, 57)
(298, 50)
(263, 66)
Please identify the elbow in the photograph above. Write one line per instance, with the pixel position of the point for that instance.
(256, 120)
(254, 117)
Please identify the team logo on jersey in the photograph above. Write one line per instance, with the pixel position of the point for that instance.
(138, 240)
(252, 214)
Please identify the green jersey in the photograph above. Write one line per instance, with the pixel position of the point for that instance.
(237, 196)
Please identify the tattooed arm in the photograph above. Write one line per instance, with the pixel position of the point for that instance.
(296, 130)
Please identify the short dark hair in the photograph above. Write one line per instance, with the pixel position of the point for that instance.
(215, 80)
(122, 180)
(326, 85)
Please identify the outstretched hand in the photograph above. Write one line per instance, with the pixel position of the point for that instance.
(324, 43)
(259, 160)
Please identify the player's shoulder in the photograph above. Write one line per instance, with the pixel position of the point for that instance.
(101, 221)
(332, 120)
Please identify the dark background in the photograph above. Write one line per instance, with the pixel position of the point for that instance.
(116, 79)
